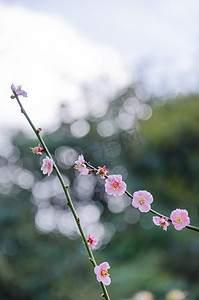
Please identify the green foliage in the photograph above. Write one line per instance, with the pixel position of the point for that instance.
(163, 158)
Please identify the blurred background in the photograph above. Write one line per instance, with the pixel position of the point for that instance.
(117, 82)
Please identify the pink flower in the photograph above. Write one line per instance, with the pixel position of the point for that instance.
(80, 165)
(102, 273)
(102, 171)
(37, 150)
(180, 218)
(114, 185)
(18, 90)
(163, 222)
(92, 240)
(47, 166)
(142, 200)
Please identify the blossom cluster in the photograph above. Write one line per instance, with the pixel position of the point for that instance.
(142, 199)
(101, 272)
(114, 185)
(47, 165)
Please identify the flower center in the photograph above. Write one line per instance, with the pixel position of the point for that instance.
(179, 220)
(115, 185)
(162, 222)
(34, 150)
(104, 273)
(142, 201)
(89, 240)
(78, 167)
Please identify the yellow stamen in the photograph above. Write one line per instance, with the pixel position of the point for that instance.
(104, 273)
(115, 185)
(142, 201)
(179, 220)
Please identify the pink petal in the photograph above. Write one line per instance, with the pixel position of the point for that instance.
(13, 88)
(97, 270)
(145, 207)
(135, 203)
(104, 265)
(156, 220)
(106, 280)
(99, 278)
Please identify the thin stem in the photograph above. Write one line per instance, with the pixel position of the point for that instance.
(194, 228)
(65, 188)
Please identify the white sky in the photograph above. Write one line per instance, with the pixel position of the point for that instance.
(53, 48)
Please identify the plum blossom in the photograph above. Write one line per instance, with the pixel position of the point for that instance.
(114, 185)
(102, 171)
(92, 240)
(47, 166)
(142, 200)
(163, 222)
(102, 273)
(180, 218)
(37, 150)
(80, 165)
(18, 90)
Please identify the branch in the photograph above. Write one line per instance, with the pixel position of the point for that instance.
(65, 188)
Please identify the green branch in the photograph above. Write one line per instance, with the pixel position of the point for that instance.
(65, 188)
(194, 228)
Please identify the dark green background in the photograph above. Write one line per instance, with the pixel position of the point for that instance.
(160, 155)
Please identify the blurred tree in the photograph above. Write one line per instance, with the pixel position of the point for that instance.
(41, 256)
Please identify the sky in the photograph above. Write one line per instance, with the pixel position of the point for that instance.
(57, 49)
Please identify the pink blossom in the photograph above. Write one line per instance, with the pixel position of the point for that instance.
(114, 185)
(142, 200)
(47, 166)
(80, 165)
(102, 273)
(37, 150)
(18, 90)
(102, 171)
(180, 218)
(92, 240)
(163, 222)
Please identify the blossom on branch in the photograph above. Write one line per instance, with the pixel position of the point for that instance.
(47, 166)
(102, 273)
(92, 240)
(142, 200)
(80, 165)
(102, 172)
(180, 218)
(114, 185)
(37, 150)
(163, 222)
(18, 90)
